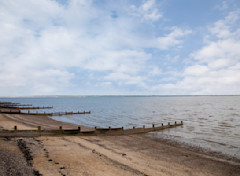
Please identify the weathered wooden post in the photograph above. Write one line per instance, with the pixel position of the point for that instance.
(153, 125)
(175, 123)
(60, 128)
(39, 128)
(134, 127)
(181, 122)
(95, 127)
(109, 128)
(15, 128)
(122, 128)
(79, 128)
(162, 124)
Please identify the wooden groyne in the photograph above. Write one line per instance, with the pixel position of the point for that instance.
(56, 113)
(9, 103)
(13, 105)
(77, 132)
(18, 111)
(15, 108)
(26, 107)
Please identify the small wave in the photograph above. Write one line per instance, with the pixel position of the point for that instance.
(215, 142)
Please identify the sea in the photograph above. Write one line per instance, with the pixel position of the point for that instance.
(209, 122)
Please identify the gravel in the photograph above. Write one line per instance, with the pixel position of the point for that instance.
(12, 164)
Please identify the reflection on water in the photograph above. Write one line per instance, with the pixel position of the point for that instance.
(209, 121)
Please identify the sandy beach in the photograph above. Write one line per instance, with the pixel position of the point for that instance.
(101, 155)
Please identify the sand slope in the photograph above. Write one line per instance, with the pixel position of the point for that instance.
(108, 155)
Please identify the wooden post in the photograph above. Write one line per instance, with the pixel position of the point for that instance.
(60, 128)
(79, 128)
(181, 122)
(133, 127)
(15, 128)
(162, 124)
(143, 126)
(175, 123)
(122, 128)
(168, 123)
(95, 127)
(28, 112)
(153, 125)
(109, 128)
(39, 128)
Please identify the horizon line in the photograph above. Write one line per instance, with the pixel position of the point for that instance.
(56, 96)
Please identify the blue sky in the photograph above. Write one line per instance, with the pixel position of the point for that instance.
(108, 47)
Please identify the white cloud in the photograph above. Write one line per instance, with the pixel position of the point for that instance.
(217, 68)
(42, 40)
(46, 46)
(222, 28)
(147, 11)
(155, 71)
(122, 78)
(223, 6)
(196, 70)
(220, 49)
(172, 39)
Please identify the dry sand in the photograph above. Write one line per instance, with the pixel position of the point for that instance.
(104, 155)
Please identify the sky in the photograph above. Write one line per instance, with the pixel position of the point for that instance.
(124, 47)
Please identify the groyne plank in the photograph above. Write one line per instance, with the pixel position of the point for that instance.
(98, 131)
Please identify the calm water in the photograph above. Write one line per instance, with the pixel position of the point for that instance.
(211, 122)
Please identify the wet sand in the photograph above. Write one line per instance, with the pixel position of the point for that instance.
(104, 155)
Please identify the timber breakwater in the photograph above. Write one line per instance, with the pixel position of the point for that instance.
(78, 132)
(16, 108)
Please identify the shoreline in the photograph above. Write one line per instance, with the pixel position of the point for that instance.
(115, 155)
(201, 150)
